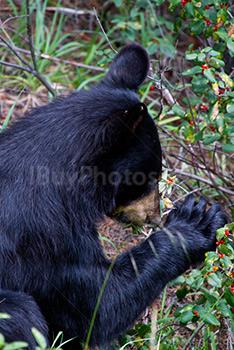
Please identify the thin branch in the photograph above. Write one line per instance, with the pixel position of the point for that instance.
(199, 178)
(156, 19)
(29, 30)
(15, 66)
(55, 59)
(69, 11)
(10, 19)
(102, 29)
(16, 53)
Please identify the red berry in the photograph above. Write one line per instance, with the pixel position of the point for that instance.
(215, 28)
(191, 122)
(221, 91)
(220, 256)
(208, 23)
(170, 180)
(228, 88)
(227, 233)
(226, 7)
(217, 243)
(184, 19)
(191, 51)
(222, 6)
(232, 289)
(218, 98)
(207, 7)
(195, 313)
(222, 241)
(152, 87)
(204, 66)
(232, 310)
(184, 2)
(211, 127)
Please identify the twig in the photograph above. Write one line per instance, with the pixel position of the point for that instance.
(29, 30)
(35, 70)
(102, 29)
(10, 19)
(199, 178)
(193, 335)
(156, 19)
(55, 59)
(15, 66)
(193, 191)
(16, 53)
(69, 11)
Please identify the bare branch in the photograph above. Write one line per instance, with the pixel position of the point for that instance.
(55, 59)
(15, 66)
(29, 30)
(69, 11)
(102, 29)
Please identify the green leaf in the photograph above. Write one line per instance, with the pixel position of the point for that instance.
(209, 75)
(16, 345)
(222, 34)
(210, 139)
(174, 4)
(213, 16)
(181, 292)
(226, 262)
(220, 233)
(207, 316)
(189, 10)
(159, 2)
(192, 71)
(177, 281)
(191, 56)
(193, 100)
(118, 3)
(230, 107)
(178, 111)
(214, 53)
(201, 57)
(214, 280)
(2, 341)
(196, 26)
(222, 306)
(217, 62)
(228, 148)
(166, 47)
(152, 48)
(200, 85)
(229, 296)
(177, 23)
(211, 319)
(199, 135)
(186, 317)
(40, 339)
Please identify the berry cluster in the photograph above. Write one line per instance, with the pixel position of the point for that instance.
(184, 2)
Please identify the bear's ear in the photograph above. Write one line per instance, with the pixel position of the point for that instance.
(129, 68)
(119, 129)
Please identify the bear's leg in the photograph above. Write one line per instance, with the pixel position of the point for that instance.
(24, 314)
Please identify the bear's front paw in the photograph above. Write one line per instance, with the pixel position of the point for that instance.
(196, 226)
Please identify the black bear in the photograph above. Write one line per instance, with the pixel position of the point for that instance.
(62, 167)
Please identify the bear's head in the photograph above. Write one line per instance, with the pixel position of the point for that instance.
(126, 151)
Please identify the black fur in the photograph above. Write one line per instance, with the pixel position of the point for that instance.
(61, 168)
